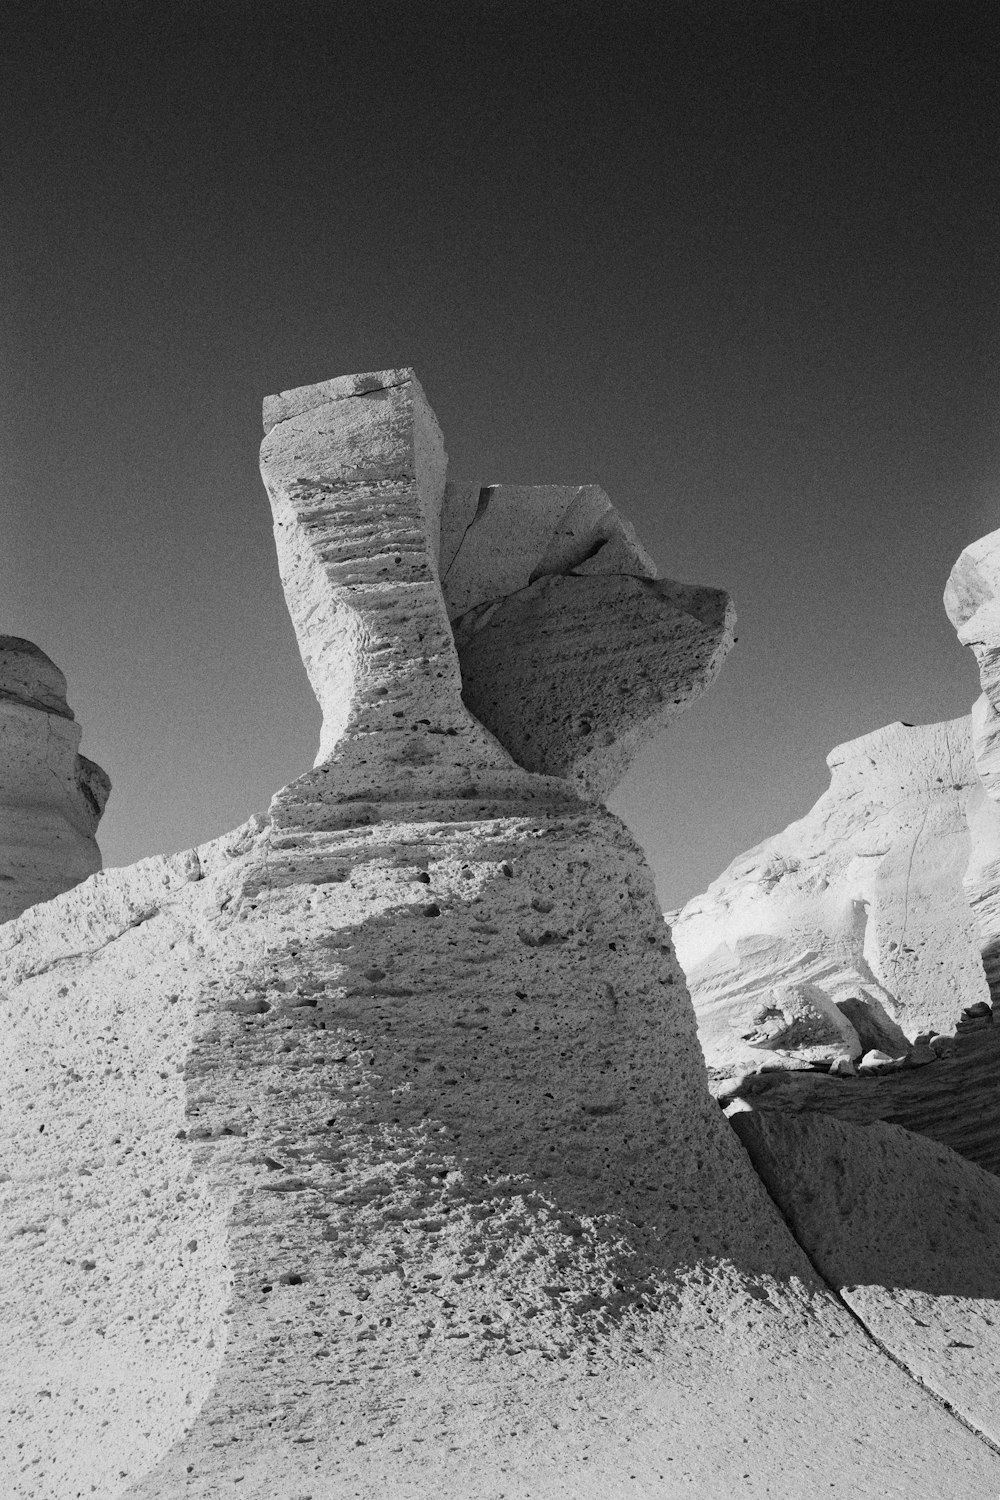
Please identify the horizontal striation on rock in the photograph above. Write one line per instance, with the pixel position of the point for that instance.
(906, 1233)
(573, 674)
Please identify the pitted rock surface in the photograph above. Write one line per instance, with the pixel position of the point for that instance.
(573, 674)
(353, 1180)
(368, 1151)
(51, 797)
(906, 1232)
(355, 471)
(972, 600)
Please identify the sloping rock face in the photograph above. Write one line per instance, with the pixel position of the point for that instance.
(572, 652)
(369, 1151)
(854, 917)
(952, 1099)
(907, 1233)
(51, 797)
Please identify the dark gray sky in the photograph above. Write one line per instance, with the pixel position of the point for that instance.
(736, 263)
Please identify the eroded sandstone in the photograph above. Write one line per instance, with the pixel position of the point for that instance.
(372, 1145)
(573, 653)
(972, 600)
(951, 1096)
(859, 907)
(906, 1232)
(51, 797)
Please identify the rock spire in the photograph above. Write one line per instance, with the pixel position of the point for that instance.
(51, 797)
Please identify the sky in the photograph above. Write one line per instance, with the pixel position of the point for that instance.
(737, 263)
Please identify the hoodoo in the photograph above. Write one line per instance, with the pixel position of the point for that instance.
(378, 1155)
(51, 797)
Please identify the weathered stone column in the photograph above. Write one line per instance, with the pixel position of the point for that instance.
(51, 797)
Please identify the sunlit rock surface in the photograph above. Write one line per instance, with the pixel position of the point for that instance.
(368, 1150)
(952, 1097)
(858, 909)
(51, 797)
(972, 600)
(573, 653)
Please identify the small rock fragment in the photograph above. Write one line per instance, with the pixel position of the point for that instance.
(878, 1059)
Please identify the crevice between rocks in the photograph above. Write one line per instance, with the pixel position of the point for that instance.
(485, 495)
(902, 1365)
(838, 1296)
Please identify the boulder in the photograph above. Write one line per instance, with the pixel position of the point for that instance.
(497, 539)
(51, 797)
(861, 902)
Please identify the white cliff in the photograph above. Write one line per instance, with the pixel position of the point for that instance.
(854, 916)
(51, 797)
(572, 651)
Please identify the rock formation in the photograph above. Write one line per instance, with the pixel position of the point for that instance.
(868, 1171)
(882, 905)
(972, 599)
(852, 926)
(51, 797)
(572, 652)
(368, 1151)
(907, 1235)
